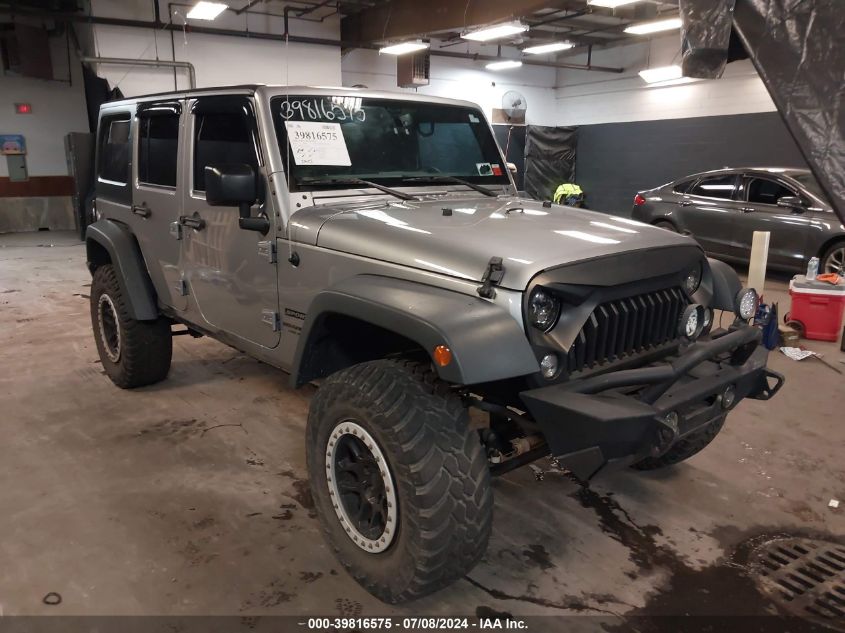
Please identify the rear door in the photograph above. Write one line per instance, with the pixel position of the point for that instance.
(789, 228)
(156, 204)
(230, 273)
(709, 213)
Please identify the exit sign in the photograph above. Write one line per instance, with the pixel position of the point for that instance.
(23, 108)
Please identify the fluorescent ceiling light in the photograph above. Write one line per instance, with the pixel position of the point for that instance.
(504, 65)
(495, 32)
(664, 73)
(542, 49)
(207, 10)
(611, 4)
(672, 82)
(644, 28)
(404, 47)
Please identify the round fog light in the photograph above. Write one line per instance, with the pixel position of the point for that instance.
(548, 366)
(728, 397)
(692, 321)
(747, 303)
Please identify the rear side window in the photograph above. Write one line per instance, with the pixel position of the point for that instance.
(222, 138)
(158, 138)
(682, 187)
(715, 187)
(113, 151)
(764, 191)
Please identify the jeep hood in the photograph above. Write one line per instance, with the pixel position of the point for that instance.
(424, 234)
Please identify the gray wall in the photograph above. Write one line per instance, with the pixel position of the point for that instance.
(615, 160)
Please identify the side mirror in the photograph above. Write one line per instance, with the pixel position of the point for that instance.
(234, 185)
(791, 202)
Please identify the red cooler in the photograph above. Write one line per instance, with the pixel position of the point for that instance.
(818, 307)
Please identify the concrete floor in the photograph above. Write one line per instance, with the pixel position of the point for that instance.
(189, 497)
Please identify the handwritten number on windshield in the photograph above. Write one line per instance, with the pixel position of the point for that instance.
(321, 110)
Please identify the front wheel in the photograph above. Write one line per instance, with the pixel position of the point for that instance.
(401, 485)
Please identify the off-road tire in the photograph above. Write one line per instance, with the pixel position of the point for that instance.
(145, 348)
(684, 448)
(440, 472)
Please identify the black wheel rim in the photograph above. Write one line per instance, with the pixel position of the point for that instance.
(361, 487)
(109, 327)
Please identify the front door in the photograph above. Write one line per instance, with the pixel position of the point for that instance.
(788, 228)
(710, 211)
(156, 204)
(229, 273)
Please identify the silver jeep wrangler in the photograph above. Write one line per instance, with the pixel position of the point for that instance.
(374, 242)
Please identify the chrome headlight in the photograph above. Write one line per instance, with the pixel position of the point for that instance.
(746, 303)
(692, 321)
(543, 310)
(693, 280)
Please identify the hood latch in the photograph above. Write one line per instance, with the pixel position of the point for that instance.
(492, 276)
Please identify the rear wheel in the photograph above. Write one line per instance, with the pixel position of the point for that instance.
(133, 353)
(401, 484)
(833, 259)
(684, 448)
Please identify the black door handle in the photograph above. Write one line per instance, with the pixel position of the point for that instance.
(747, 209)
(195, 222)
(685, 203)
(143, 210)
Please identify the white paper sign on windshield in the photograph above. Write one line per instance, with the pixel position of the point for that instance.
(314, 143)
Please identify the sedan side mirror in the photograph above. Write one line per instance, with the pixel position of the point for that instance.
(791, 202)
(234, 185)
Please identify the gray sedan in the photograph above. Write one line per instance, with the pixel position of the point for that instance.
(722, 209)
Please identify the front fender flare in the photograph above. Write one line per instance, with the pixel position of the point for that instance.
(487, 344)
(128, 262)
(726, 285)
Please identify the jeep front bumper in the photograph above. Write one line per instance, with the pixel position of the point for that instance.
(625, 416)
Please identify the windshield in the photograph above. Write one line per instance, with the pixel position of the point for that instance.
(809, 182)
(329, 141)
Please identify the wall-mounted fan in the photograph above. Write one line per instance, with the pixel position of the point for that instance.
(514, 106)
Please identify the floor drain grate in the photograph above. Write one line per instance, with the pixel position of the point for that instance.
(806, 577)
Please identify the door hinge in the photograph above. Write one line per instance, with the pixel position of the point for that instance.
(267, 250)
(181, 288)
(271, 318)
(176, 230)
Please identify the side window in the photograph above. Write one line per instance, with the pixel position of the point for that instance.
(158, 138)
(222, 138)
(764, 191)
(682, 187)
(715, 187)
(113, 150)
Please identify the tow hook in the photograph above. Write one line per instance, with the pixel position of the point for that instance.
(667, 433)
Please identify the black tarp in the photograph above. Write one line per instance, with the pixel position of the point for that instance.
(798, 49)
(549, 159)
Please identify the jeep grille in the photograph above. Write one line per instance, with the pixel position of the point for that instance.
(627, 327)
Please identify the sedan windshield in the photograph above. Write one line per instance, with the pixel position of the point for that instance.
(330, 141)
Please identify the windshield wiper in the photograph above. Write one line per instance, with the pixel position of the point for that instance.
(355, 181)
(455, 179)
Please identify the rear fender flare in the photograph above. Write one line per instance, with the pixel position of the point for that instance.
(487, 344)
(125, 256)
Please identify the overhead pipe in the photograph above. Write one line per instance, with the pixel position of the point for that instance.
(121, 61)
(296, 39)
